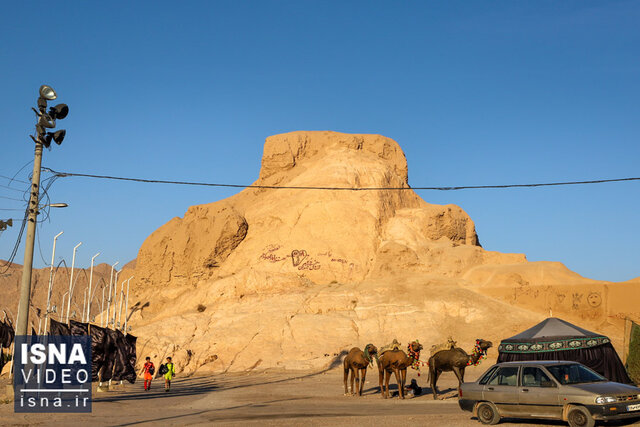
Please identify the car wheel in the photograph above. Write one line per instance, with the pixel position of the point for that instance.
(487, 413)
(579, 416)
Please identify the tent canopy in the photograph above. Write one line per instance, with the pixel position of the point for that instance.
(552, 328)
(557, 339)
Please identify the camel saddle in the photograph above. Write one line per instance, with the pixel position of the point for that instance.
(449, 345)
(395, 345)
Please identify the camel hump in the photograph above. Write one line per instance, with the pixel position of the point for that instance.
(395, 345)
(449, 345)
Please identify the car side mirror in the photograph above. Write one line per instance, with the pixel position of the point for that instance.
(548, 384)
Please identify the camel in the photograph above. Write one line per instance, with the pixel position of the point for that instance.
(396, 361)
(456, 360)
(357, 362)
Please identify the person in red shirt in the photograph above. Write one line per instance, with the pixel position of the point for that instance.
(148, 370)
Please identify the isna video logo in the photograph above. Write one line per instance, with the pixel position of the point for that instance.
(52, 374)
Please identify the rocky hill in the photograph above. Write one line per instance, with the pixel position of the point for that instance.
(288, 278)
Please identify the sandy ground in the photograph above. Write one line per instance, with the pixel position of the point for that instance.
(274, 399)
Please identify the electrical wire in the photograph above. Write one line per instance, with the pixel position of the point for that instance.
(7, 264)
(45, 184)
(11, 188)
(452, 188)
(14, 177)
(11, 198)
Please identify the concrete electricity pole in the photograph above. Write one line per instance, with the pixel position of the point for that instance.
(46, 120)
(25, 286)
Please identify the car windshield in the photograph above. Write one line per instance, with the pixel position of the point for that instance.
(574, 374)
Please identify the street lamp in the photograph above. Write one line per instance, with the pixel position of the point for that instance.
(73, 263)
(115, 295)
(62, 305)
(102, 308)
(90, 282)
(126, 306)
(55, 205)
(109, 294)
(53, 257)
(42, 138)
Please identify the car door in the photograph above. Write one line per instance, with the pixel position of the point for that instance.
(538, 394)
(502, 390)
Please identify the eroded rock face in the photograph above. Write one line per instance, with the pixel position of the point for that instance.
(288, 278)
(188, 249)
(325, 236)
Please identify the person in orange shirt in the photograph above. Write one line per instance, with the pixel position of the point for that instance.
(148, 370)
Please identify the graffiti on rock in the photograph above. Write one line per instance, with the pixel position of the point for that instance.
(297, 256)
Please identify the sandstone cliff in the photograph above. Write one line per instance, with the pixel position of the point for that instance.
(290, 277)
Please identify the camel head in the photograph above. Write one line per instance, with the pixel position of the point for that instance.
(370, 351)
(484, 345)
(415, 346)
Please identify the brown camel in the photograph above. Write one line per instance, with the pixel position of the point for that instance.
(456, 360)
(357, 362)
(396, 361)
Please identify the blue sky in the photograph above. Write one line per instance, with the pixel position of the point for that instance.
(474, 92)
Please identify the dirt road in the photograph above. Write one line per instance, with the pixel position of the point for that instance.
(282, 399)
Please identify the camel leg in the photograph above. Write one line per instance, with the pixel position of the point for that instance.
(381, 378)
(432, 379)
(434, 382)
(356, 372)
(399, 382)
(387, 377)
(459, 374)
(364, 375)
(353, 375)
(346, 377)
(462, 375)
(403, 377)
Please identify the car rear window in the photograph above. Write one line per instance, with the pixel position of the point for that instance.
(505, 376)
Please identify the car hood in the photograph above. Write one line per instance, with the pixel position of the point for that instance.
(607, 387)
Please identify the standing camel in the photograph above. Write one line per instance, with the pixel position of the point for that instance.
(398, 362)
(357, 362)
(456, 360)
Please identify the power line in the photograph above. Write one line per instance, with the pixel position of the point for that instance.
(14, 179)
(11, 188)
(452, 188)
(12, 198)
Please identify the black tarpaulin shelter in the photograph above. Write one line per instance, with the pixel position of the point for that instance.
(6, 334)
(78, 328)
(110, 349)
(123, 368)
(57, 328)
(131, 372)
(99, 348)
(557, 339)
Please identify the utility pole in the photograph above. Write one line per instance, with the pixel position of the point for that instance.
(25, 286)
(42, 138)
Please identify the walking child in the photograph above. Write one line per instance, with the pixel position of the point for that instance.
(171, 372)
(148, 370)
